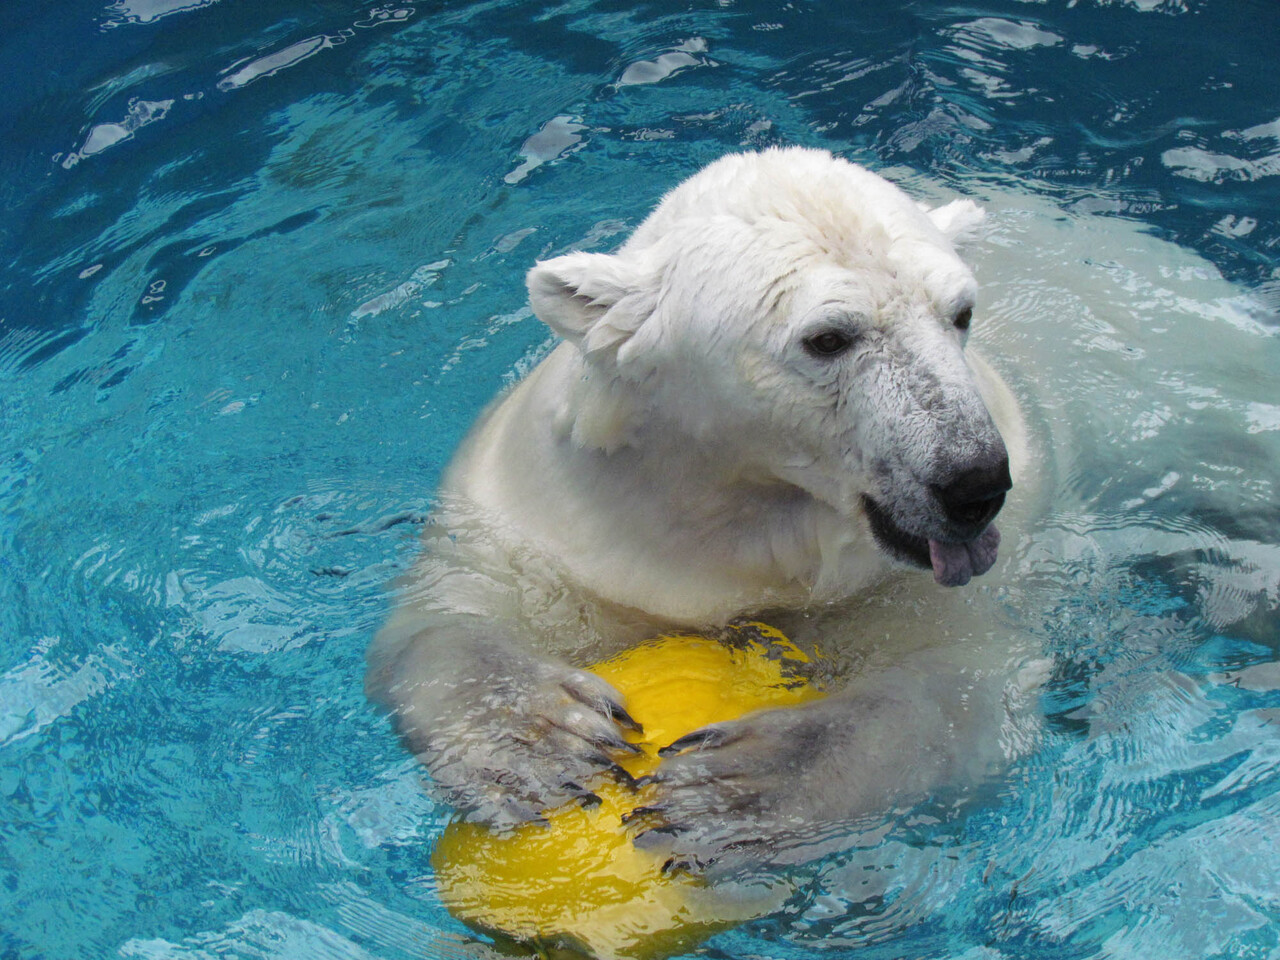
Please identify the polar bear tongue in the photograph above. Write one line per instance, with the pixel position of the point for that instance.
(954, 564)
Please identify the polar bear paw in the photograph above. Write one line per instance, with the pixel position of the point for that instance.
(736, 794)
(780, 787)
(520, 737)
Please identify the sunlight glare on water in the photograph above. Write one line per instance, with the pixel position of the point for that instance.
(263, 264)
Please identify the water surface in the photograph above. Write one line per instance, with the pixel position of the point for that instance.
(261, 264)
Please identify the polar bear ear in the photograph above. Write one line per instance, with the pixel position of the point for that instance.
(594, 300)
(958, 220)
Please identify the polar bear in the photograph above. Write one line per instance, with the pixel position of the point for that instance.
(762, 404)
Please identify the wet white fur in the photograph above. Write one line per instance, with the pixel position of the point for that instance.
(681, 459)
(679, 453)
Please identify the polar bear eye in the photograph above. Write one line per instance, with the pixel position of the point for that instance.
(829, 343)
(963, 318)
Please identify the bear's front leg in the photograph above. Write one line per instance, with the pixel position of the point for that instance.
(783, 786)
(504, 733)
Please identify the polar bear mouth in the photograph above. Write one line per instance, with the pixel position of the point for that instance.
(893, 540)
(953, 564)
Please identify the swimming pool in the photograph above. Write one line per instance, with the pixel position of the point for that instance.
(263, 264)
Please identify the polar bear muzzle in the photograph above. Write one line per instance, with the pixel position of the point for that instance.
(969, 500)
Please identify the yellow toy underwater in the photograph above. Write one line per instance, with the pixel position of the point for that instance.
(576, 885)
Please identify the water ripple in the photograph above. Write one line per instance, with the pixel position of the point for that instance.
(260, 271)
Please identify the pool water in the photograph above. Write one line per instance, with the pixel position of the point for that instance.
(263, 263)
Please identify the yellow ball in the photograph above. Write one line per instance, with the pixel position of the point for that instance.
(577, 884)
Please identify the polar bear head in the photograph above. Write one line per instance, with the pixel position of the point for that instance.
(797, 321)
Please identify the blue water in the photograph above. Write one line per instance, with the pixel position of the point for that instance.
(261, 264)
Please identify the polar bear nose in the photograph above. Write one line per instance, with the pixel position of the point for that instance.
(971, 498)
